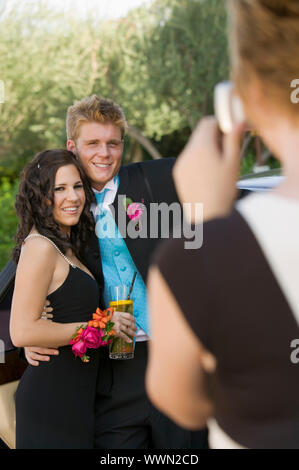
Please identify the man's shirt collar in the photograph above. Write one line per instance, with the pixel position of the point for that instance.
(111, 184)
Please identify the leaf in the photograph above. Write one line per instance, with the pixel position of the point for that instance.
(127, 201)
(85, 358)
(109, 326)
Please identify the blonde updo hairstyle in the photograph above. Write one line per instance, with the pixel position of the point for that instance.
(264, 43)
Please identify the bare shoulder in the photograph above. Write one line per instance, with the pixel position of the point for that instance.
(40, 251)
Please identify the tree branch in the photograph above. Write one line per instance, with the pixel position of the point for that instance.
(144, 141)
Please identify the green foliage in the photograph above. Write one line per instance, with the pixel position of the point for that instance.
(159, 63)
(173, 56)
(8, 219)
(190, 53)
(247, 164)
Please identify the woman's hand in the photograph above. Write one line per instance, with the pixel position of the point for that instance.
(207, 170)
(124, 325)
(35, 355)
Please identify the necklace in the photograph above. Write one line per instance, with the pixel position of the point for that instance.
(42, 236)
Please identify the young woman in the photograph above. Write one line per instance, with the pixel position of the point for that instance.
(55, 401)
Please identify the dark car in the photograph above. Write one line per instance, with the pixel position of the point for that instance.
(14, 365)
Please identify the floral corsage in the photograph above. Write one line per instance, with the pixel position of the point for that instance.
(95, 334)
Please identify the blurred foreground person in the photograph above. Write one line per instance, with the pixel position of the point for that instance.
(225, 317)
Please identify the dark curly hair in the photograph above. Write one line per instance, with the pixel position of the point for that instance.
(36, 189)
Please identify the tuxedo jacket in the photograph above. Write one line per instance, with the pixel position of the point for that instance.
(145, 182)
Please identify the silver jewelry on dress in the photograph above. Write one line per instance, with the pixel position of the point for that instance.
(42, 236)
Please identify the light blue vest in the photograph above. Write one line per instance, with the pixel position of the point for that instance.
(117, 264)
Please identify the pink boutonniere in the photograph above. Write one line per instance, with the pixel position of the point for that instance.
(134, 210)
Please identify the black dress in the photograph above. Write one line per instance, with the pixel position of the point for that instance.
(55, 400)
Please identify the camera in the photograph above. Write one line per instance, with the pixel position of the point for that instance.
(228, 107)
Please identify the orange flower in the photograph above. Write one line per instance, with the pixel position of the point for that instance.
(100, 318)
(78, 335)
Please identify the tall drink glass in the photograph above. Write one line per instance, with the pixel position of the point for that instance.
(119, 348)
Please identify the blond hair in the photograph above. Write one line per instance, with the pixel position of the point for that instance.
(264, 41)
(94, 109)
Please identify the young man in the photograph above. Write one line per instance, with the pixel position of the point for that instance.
(124, 416)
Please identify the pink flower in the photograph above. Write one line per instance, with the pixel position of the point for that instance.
(79, 348)
(134, 211)
(92, 337)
